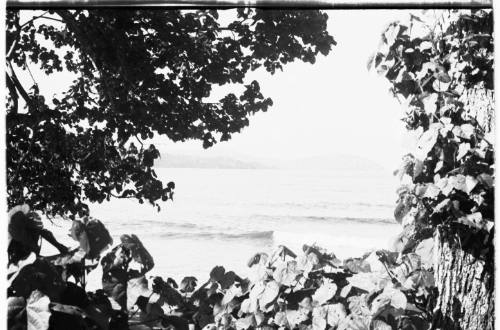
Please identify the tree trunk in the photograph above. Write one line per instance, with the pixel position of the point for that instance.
(464, 276)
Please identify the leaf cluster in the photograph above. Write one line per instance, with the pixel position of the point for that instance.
(442, 71)
(137, 74)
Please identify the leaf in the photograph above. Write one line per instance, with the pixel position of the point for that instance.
(419, 278)
(92, 236)
(388, 300)
(319, 319)
(417, 168)
(40, 275)
(440, 86)
(425, 249)
(138, 251)
(325, 292)
(373, 260)
(357, 265)
(230, 294)
(432, 191)
(443, 206)
(474, 220)
(358, 305)
(16, 313)
(426, 142)
(280, 319)
(307, 262)
(257, 290)
(430, 100)
(258, 258)
(286, 273)
(425, 44)
(470, 183)
(443, 77)
(271, 292)
(37, 309)
(345, 291)
(217, 273)
(210, 326)
(392, 33)
(369, 281)
(295, 317)
(380, 325)
(227, 280)
(463, 149)
(398, 298)
(380, 304)
(188, 284)
(21, 227)
(354, 322)
(246, 322)
(334, 314)
(467, 130)
(486, 180)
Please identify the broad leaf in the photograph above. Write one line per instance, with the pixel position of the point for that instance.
(325, 292)
(37, 309)
(425, 249)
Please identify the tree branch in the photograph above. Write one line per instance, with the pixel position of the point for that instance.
(12, 75)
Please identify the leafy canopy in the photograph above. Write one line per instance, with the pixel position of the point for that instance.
(443, 73)
(137, 74)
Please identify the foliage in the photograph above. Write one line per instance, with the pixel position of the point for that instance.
(436, 69)
(309, 290)
(137, 74)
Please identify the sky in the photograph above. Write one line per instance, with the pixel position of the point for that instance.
(335, 106)
(332, 107)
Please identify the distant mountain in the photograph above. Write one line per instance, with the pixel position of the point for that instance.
(339, 162)
(332, 162)
(188, 161)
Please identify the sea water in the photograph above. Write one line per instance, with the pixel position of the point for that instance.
(225, 216)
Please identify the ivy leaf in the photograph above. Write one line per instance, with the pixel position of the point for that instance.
(467, 130)
(440, 86)
(139, 253)
(419, 279)
(486, 180)
(227, 280)
(443, 77)
(354, 322)
(426, 142)
(470, 183)
(271, 292)
(16, 313)
(92, 236)
(286, 273)
(331, 314)
(230, 294)
(358, 305)
(325, 292)
(380, 325)
(463, 149)
(295, 317)
(38, 312)
(246, 322)
(474, 220)
(217, 273)
(425, 249)
(432, 191)
(188, 284)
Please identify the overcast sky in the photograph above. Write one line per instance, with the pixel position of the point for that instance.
(334, 106)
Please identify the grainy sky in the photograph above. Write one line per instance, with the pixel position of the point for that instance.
(332, 107)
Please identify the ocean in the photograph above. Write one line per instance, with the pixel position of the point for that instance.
(225, 216)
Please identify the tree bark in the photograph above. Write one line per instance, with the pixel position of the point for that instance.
(464, 275)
